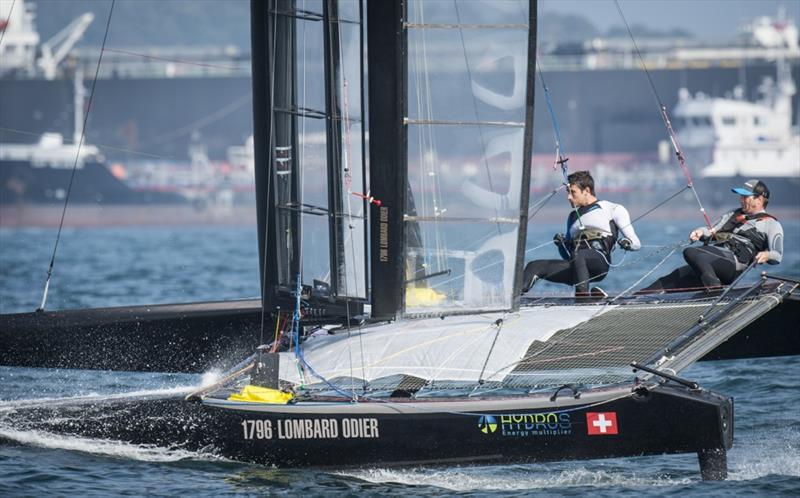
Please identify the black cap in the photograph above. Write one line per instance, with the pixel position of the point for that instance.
(752, 187)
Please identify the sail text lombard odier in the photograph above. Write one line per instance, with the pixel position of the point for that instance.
(384, 234)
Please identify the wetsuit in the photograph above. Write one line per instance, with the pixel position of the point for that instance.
(586, 248)
(731, 246)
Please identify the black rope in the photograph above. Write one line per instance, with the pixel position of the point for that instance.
(77, 157)
(665, 117)
(499, 324)
(544, 201)
(676, 194)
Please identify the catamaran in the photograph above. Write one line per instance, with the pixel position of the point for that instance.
(393, 330)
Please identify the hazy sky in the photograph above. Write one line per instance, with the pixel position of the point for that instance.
(707, 19)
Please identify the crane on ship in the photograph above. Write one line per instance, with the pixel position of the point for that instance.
(58, 47)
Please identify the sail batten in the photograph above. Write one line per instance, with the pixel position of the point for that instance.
(407, 121)
(413, 25)
(466, 169)
(454, 219)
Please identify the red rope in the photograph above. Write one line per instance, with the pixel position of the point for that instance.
(367, 198)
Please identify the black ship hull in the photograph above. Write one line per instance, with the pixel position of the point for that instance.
(21, 182)
(599, 111)
(602, 424)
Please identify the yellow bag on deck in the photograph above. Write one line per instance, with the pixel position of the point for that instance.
(423, 296)
(256, 394)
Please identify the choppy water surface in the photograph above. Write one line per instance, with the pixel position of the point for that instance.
(100, 267)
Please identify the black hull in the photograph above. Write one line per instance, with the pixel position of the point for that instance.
(201, 336)
(20, 182)
(606, 110)
(163, 338)
(374, 434)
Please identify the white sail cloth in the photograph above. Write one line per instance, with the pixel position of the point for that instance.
(454, 348)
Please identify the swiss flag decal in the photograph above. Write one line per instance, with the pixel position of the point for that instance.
(601, 424)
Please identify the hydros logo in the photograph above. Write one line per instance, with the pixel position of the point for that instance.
(487, 424)
(527, 424)
(602, 423)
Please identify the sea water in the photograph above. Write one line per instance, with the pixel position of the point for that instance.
(138, 265)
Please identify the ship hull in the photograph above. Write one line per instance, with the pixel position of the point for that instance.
(600, 424)
(93, 183)
(598, 111)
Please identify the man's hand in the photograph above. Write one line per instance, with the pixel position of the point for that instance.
(558, 239)
(762, 257)
(625, 243)
(696, 235)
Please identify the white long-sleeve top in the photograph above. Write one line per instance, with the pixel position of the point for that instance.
(599, 216)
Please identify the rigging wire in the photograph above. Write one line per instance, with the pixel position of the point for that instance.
(366, 209)
(561, 159)
(665, 117)
(10, 12)
(177, 61)
(499, 326)
(364, 206)
(346, 154)
(347, 180)
(704, 314)
(270, 166)
(98, 145)
(561, 154)
(77, 158)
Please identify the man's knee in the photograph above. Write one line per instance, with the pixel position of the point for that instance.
(690, 254)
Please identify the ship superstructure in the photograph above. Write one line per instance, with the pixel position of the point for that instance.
(732, 139)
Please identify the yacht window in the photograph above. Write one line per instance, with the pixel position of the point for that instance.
(756, 121)
(697, 121)
(728, 120)
(707, 121)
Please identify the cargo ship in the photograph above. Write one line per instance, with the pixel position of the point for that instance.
(152, 106)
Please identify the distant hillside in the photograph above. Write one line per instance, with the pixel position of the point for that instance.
(152, 22)
(227, 22)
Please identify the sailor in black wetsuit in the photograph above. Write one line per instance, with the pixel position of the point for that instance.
(592, 229)
(739, 238)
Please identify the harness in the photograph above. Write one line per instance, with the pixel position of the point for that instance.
(743, 243)
(593, 238)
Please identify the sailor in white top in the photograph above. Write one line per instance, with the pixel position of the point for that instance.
(592, 230)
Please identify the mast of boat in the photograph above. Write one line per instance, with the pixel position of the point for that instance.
(386, 39)
(300, 193)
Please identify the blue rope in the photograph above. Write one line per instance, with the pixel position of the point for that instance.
(299, 352)
(560, 151)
